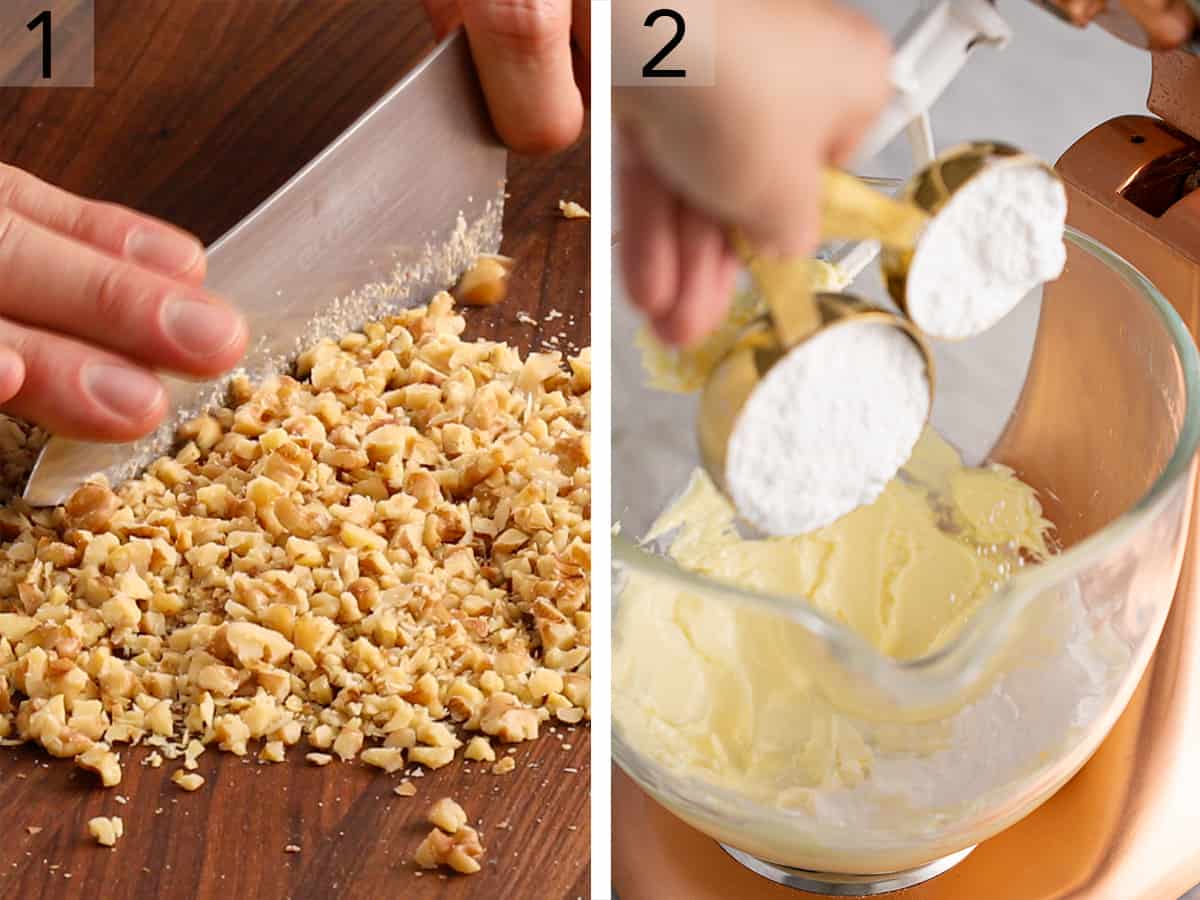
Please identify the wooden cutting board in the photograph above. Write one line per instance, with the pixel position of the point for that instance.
(201, 109)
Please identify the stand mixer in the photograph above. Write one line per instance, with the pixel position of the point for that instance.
(1126, 826)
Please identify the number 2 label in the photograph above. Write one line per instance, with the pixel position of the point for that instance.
(650, 69)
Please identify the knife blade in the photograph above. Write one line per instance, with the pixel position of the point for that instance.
(388, 214)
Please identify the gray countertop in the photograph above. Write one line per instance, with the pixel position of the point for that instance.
(1045, 90)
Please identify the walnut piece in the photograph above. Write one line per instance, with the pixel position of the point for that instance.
(99, 759)
(390, 759)
(107, 830)
(485, 282)
(479, 749)
(405, 789)
(91, 507)
(189, 781)
(460, 851)
(447, 815)
(572, 210)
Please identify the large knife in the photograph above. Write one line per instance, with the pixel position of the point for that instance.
(388, 214)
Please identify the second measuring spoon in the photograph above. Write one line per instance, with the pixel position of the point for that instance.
(822, 443)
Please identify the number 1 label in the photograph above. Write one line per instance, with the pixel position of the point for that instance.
(42, 20)
(48, 43)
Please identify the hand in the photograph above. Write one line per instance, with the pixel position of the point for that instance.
(94, 298)
(797, 85)
(533, 61)
(1166, 23)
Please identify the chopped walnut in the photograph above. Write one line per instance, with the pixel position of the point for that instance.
(485, 282)
(460, 851)
(99, 759)
(478, 748)
(385, 554)
(504, 717)
(431, 757)
(349, 741)
(189, 781)
(107, 830)
(505, 765)
(572, 210)
(447, 815)
(390, 759)
(91, 507)
(405, 789)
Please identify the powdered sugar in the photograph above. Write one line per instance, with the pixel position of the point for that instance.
(997, 239)
(827, 427)
(1052, 701)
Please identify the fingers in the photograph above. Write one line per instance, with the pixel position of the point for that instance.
(864, 99)
(706, 270)
(77, 391)
(678, 268)
(788, 224)
(522, 49)
(649, 251)
(1081, 12)
(783, 216)
(111, 229)
(1168, 23)
(89, 291)
(53, 282)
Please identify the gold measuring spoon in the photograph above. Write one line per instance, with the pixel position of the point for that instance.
(734, 379)
(850, 210)
(930, 190)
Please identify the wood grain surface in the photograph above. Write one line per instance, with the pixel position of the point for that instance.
(201, 109)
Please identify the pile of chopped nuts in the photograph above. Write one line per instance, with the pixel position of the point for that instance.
(19, 446)
(376, 559)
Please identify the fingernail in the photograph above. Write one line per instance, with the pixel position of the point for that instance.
(163, 249)
(127, 393)
(198, 327)
(12, 373)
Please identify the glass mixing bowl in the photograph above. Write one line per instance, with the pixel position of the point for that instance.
(1089, 391)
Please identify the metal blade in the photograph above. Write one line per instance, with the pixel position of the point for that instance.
(388, 214)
